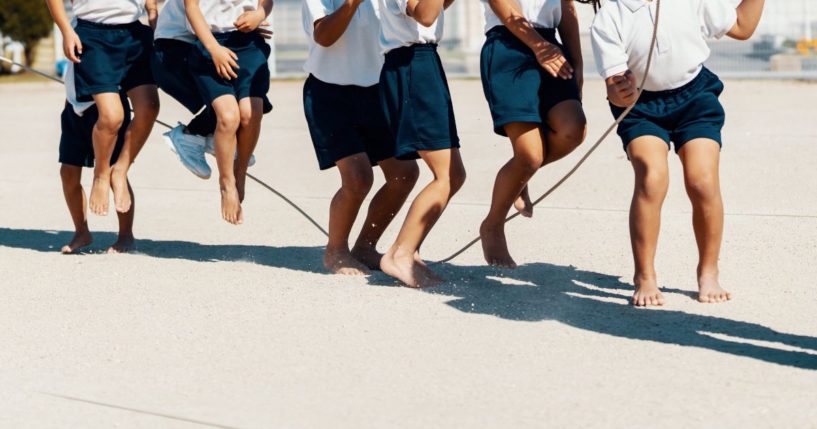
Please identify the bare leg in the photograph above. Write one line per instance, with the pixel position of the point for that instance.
(106, 130)
(145, 100)
(523, 203)
(401, 176)
(648, 156)
(75, 199)
(251, 111)
(125, 242)
(449, 176)
(701, 158)
(356, 182)
(229, 118)
(528, 149)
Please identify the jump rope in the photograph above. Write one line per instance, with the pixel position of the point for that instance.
(509, 218)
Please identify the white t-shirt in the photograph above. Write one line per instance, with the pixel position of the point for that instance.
(108, 11)
(355, 58)
(222, 14)
(172, 23)
(71, 92)
(622, 32)
(397, 29)
(540, 13)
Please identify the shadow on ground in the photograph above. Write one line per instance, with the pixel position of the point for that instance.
(586, 300)
(306, 259)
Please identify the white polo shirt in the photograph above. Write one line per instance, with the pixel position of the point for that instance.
(172, 23)
(622, 32)
(109, 11)
(540, 13)
(397, 29)
(355, 58)
(222, 14)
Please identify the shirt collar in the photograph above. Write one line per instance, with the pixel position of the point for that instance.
(634, 5)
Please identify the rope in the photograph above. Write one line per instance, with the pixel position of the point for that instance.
(592, 148)
(166, 125)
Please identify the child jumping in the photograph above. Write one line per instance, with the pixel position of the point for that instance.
(111, 51)
(417, 101)
(680, 105)
(533, 87)
(229, 67)
(77, 151)
(173, 42)
(349, 129)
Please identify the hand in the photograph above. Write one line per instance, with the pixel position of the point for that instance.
(551, 58)
(225, 61)
(621, 89)
(72, 46)
(264, 30)
(153, 16)
(249, 21)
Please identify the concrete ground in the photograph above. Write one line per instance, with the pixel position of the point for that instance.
(222, 326)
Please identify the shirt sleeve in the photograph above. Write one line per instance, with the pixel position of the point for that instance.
(717, 17)
(608, 47)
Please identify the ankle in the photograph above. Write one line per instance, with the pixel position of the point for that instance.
(644, 276)
(708, 271)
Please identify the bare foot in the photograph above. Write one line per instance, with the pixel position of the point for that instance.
(421, 264)
(523, 204)
(81, 239)
(368, 256)
(124, 244)
(342, 262)
(647, 293)
(119, 184)
(710, 290)
(231, 205)
(495, 247)
(98, 203)
(403, 267)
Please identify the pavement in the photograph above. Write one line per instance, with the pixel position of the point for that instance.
(212, 325)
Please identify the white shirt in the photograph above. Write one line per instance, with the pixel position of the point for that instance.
(622, 32)
(222, 14)
(71, 92)
(540, 13)
(398, 29)
(355, 58)
(172, 23)
(109, 11)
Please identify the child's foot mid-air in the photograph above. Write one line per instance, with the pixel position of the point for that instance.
(523, 203)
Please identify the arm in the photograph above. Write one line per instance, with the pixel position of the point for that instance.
(621, 89)
(251, 20)
(223, 58)
(749, 13)
(569, 32)
(447, 3)
(71, 45)
(548, 55)
(425, 11)
(153, 12)
(329, 28)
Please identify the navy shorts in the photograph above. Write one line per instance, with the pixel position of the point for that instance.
(115, 58)
(417, 102)
(517, 88)
(172, 72)
(253, 73)
(345, 120)
(690, 112)
(76, 141)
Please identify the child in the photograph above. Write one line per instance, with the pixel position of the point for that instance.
(229, 67)
(349, 129)
(533, 86)
(415, 96)
(679, 104)
(111, 50)
(173, 43)
(76, 151)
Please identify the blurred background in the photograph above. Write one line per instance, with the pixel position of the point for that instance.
(785, 45)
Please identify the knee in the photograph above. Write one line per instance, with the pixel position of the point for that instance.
(406, 177)
(147, 109)
(247, 118)
(228, 120)
(358, 182)
(653, 184)
(529, 163)
(110, 120)
(573, 133)
(703, 187)
(70, 175)
(457, 178)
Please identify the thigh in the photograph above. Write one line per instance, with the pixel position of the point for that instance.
(140, 52)
(702, 118)
(700, 158)
(648, 154)
(566, 116)
(252, 107)
(443, 163)
(526, 140)
(172, 73)
(144, 97)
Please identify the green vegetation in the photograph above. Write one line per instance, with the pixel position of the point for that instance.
(26, 21)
